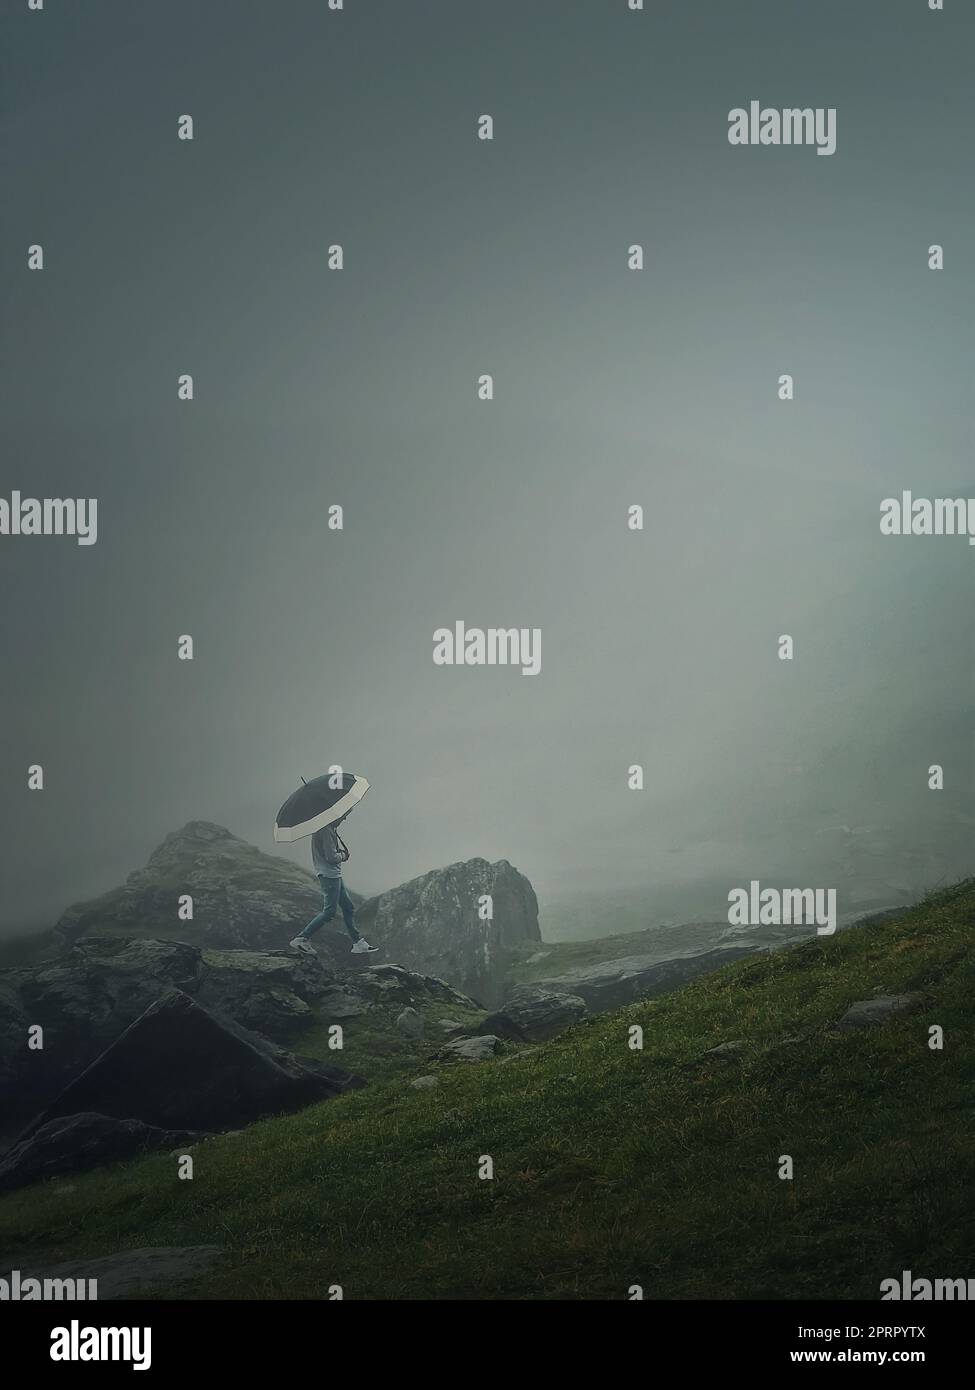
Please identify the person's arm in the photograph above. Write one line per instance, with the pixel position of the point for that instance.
(331, 853)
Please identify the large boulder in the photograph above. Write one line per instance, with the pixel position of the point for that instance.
(178, 1066)
(81, 1002)
(85, 999)
(531, 1015)
(392, 984)
(433, 924)
(273, 992)
(74, 1143)
(480, 1049)
(242, 897)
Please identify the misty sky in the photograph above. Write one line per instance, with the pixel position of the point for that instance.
(612, 388)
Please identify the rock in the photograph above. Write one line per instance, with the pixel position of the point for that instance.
(393, 984)
(74, 1143)
(516, 1056)
(535, 1014)
(425, 1083)
(866, 1013)
(341, 1003)
(726, 1049)
(83, 1002)
(610, 984)
(410, 1023)
(242, 898)
(103, 983)
(470, 1049)
(538, 955)
(124, 1275)
(452, 1025)
(178, 1066)
(273, 992)
(431, 924)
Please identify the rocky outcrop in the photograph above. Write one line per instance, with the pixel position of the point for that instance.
(432, 924)
(480, 1049)
(410, 1023)
(531, 1015)
(85, 999)
(273, 992)
(81, 1003)
(74, 1143)
(178, 1066)
(392, 984)
(242, 897)
(610, 984)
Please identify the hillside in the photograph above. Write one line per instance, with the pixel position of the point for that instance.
(612, 1166)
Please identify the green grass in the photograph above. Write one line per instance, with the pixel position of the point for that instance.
(612, 1166)
(375, 1048)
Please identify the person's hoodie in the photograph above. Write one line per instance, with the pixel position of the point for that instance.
(327, 855)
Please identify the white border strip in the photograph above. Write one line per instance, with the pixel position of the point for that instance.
(289, 833)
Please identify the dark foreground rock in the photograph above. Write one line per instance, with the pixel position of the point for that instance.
(531, 1015)
(178, 1066)
(84, 1000)
(75, 1143)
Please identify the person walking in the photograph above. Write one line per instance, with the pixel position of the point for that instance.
(328, 854)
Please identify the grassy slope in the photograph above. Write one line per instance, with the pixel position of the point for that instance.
(375, 1048)
(612, 1166)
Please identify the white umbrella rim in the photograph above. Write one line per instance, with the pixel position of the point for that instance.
(286, 834)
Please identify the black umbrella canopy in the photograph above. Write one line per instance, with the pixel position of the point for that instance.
(317, 803)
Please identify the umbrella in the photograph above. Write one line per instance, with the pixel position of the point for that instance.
(316, 804)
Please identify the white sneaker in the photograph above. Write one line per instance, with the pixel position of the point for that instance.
(360, 947)
(301, 943)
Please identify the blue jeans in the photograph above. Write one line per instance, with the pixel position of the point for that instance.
(335, 896)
